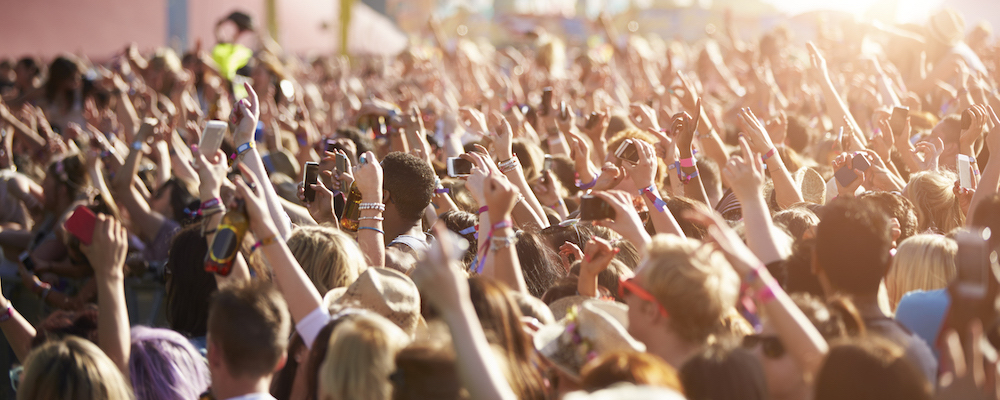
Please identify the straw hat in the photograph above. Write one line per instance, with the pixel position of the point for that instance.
(588, 330)
(811, 185)
(384, 291)
(562, 306)
(627, 391)
(947, 26)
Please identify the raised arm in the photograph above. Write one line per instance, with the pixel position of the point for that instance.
(145, 221)
(246, 113)
(371, 237)
(597, 256)
(16, 329)
(803, 341)
(447, 291)
(759, 141)
(499, 244)
(107, 256)
(990, 177)
(510, 166)
(745, 176)
(642, 175)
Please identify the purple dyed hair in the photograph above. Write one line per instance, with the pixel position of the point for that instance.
(165, 366)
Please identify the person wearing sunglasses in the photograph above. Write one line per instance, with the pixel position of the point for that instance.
(680, 292)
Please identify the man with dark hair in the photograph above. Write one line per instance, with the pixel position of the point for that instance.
(248, 328)
(851, 255)
(408, 185)
(895, 206)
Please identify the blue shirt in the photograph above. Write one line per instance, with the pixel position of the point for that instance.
(922, 312)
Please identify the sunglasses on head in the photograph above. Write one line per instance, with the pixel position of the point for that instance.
(770, 345)
(630, 286)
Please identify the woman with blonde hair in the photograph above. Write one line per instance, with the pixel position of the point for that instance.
(360, 358)
(328, 256)
(922, 262)
(938, 209)
(72, 368)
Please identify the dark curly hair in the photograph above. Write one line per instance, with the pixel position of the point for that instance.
(410, 183)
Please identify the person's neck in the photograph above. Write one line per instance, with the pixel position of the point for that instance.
(395, 226)
(868, 306)
(672, 349)
(226, 387)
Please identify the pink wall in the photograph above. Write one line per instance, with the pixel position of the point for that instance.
(100, 28)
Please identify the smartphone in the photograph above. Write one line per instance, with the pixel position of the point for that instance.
(592, 120)
(81, 224)
(211, 137)
(331, 145)
(309, 178)
(965, 171)
(27, 262)
(627, 151)
(845, 176)
(341, 163)
(547, 164)
(563, 110)
(898, 121)
(860, 162)
(459, 167)
(546, 101)
(593, 208)
(966, 119)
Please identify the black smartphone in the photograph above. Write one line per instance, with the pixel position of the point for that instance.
(898, 121)
(860, 162)
(595, 209)
(458, 166)
(331, 145)
(628, 151)
(310, 175)
(546, 101)
(26, 260)
(845, 176)
(592, 120)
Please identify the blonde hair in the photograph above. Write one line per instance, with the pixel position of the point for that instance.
(72, 368)
(328, 256)
(937, 206)
(922, 262)
(360, 357)
(695, 284)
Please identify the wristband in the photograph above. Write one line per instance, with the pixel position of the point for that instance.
(263, 242)
(652, 194)
(380, 219)
(688, 178)
(371, 229)
(555, 141)
(442, 191)
(243, 148)
(469, 230)
(9, 312)
(136, 145)
(211, 203)
(585, 186)
(769, 154)
(489, 241)
(483, 209)
(687, 162)
(765, 295)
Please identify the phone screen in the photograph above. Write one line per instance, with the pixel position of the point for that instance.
(965, 171)
(627, 151)
(845, 176)
(547, 164)
(592, 120)
(211, 138)
(310, 176)
(860, 162)
(546, 100)
(595, 209)
(341, 163)
(459, 167)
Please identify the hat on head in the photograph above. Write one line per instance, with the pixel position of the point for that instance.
(947, 26)
(811, 184)
(562, 306)
(594, 327)
(384, 291)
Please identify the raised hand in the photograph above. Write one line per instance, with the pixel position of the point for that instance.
(500, 196)
(931, 150)
(245, 115)
(757, 136)
(106, 253)
(818, 62)
(504, 136)
(627, 222)
(211, 173)
(569, 252)
(643, 173)
(739, 255)
(247, 189)
(777, 127)
(643, 116)
(843, 160)
(744, 173)
(473, 120)
(368, 177)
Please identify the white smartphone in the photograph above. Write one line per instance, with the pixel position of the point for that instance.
(965, 171)
(211, 137)
(459, 167)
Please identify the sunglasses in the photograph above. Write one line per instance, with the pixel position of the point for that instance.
(770, 345)
(630, 286)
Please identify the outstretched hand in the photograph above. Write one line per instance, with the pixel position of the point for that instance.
(245, 115)
(106, 253)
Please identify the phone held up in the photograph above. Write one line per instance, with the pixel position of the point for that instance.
(309, 178)
(628, 151)
(81, 224)
(595, 209)
(458, 167)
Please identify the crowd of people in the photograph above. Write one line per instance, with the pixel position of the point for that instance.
(637, 218)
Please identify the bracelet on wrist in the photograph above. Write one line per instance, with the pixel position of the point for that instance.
(371, 206)
(651, 193)
(769, 154)
(369, 228)
(7, 313)
(380, 219)
(483, 209)
(264, 242)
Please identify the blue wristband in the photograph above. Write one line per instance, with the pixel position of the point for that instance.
(371, 229)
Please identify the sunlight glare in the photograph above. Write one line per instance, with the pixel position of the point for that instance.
(885, 10)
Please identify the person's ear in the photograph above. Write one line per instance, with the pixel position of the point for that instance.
(386, 198)
(281, 362)
(214, 355)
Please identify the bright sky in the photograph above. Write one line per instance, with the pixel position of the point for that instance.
(903, 10)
